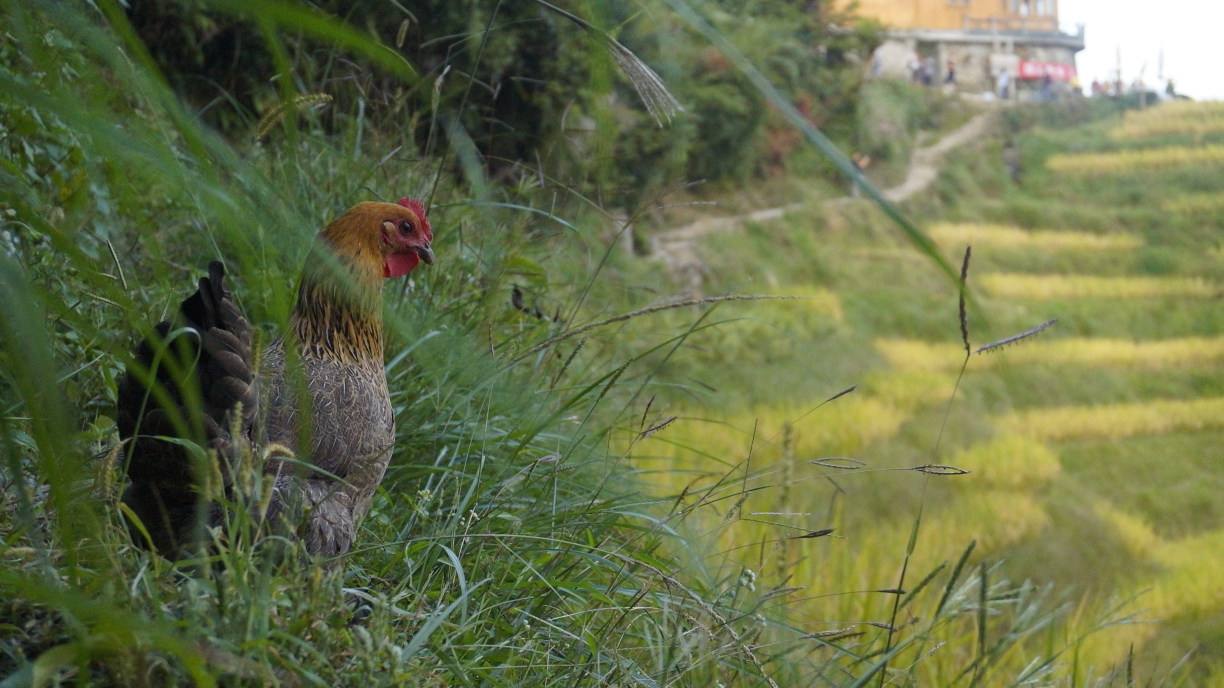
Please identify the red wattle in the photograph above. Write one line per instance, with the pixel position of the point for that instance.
(400, 264)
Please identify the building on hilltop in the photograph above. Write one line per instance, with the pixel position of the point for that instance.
(978, 40)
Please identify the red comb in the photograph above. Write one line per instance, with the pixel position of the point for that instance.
(417, 207)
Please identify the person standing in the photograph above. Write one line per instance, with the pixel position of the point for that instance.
(1003, 84)
(861, 162)
(951, 78)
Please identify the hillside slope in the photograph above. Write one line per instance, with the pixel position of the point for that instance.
(1093, 447)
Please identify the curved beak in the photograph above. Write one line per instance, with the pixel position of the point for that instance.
(426, 253)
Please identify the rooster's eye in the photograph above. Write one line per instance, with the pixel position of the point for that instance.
(405, 227)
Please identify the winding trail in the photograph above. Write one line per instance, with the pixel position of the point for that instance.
(677, 248)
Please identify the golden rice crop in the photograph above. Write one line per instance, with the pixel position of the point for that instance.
(699, 443)
(1125, 161)
(708, 442)
(1002, 236)
(826, 568)
(911, 389)
(768, 330)
(1193, 204)
(1041, 287)
(1172, 118)
(1114, 421)
(1193, 576)
(1130, 131)
(914, 355)
(1182, 108)
(996, 506)
(1189, 583)
(995, 518)
(1159, 122)
(1010, 462)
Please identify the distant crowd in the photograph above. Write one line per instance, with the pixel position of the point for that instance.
(926, 72)
(1118, 88)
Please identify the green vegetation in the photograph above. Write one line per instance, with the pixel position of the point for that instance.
(511, 543)
(636, 504)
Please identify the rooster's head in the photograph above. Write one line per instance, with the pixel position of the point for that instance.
(382, 240)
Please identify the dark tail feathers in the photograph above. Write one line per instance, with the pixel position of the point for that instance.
(202, 367)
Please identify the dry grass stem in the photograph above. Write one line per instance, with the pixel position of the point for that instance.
(276, 114)
(569, 334)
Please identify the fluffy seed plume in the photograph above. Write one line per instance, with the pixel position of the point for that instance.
(659, 102)
(276, 114)
(402, 33)
(827, 634)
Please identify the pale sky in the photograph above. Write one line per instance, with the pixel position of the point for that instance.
(1191, 32)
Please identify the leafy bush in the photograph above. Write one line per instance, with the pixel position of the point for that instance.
(534, 91)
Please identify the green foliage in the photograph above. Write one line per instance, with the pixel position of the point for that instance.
(891, 112)
(509, 543)
(499, 549)
(544, 98)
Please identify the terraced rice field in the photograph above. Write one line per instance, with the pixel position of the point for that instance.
(1180, 118)
(1041, 287)
(1193, 204)
(1142, 160)
(1095, 451)
(907, 354)
(1176, 575)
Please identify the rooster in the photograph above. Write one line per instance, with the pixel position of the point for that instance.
(318, 393)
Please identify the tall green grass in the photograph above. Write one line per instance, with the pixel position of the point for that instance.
(499, 547)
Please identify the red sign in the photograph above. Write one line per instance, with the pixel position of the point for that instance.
(1057, 71)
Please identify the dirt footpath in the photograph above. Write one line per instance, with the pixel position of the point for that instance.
(678, 247)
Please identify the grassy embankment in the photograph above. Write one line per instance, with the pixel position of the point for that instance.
(1094, 447)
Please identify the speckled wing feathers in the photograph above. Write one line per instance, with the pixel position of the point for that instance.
(209, 359)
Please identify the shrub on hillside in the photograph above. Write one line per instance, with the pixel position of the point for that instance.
(535, 90)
